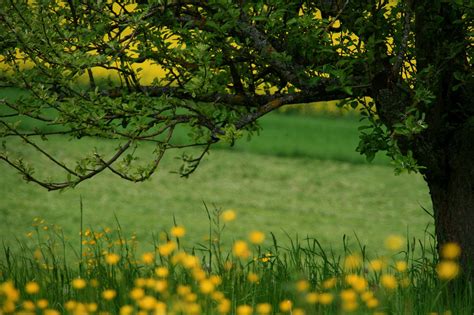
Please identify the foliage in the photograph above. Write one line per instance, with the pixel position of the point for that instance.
(108, 276)
(222, 65)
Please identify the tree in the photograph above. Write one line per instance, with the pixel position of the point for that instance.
(226, 63)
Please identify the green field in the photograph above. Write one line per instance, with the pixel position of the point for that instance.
(300, 176)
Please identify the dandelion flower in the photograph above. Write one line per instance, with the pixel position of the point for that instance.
(264, 308)
(70, 305)
(112, 258)
(126, 310)
(147, 303)
(51, 312)
(148, 258)
(388, 282)
(160, 286)
(224, 306)
(32, 287)
(78, 283)
(42, 304)
(252, 277)
(256, 237)
(215, 279)
(228, 215)
(372, 303)
(352, 262)
(348, 295)
(244, 310)
(302, 285)
(137, 293)
(326, 298)
(298, 311)
(206, 286)
(401, 266)
(350, 306)
(312, 298)
(394, 242)
(178, 231)
(167, 248)
(241, 250)
(162, 272)
(376, 265)
(28, 305)
(447, 270)
(286, 306)
(109, 294)
(450, 251)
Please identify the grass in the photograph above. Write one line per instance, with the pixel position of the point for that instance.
(299, 182)
(107, 275)
(301, 176)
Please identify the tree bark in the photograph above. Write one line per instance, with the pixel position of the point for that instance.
(452, 194)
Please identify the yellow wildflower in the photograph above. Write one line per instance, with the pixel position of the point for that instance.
(206, 286)
(286, 306)
(252, 277)
(160, 286)
(244, 310)
(32, 287)
(388, 282)
(228, 215)
(302, 285)
(126, 310)
(394, 242)
(326, 298)
(367, 295)
(348, 295)
(28, 305)
(70, 305)
(183, 290)
(215, 279)
(178, 231)
(352, 262)
(256, 237)
(376, 265)
(91, 307)
(372, 303)
(42, 303)
(217, 296)
(350, 306)
(450, 250)
(109, 294)
(447, 270)
(264, 309)
(148, 258)
(112, 258)
(147, 303)
(401, 266)
(298, 311)
(224, 306)
(137, 293)
(312, 297)
(241, 250)
(162, 272)
(78, 283)
(167, 248)
(51, 312)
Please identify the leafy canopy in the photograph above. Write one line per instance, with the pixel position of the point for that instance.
(218, 66)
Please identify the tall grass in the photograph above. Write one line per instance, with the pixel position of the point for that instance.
(106, 275)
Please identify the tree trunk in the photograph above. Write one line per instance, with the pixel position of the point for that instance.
(452, 194)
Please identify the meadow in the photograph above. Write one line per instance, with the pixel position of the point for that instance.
(293, 221)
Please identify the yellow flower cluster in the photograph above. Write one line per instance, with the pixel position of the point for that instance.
(178, 282)
(448, 268)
